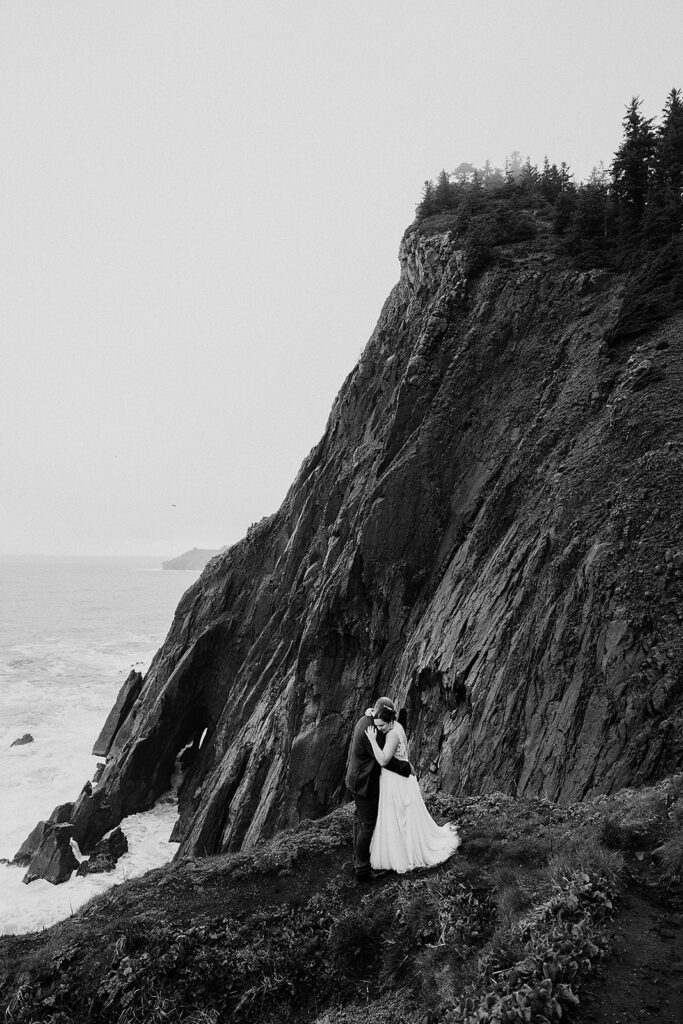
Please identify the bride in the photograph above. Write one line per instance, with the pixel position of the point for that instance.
(406, 836)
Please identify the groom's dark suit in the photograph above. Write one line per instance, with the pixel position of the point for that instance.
(362, 779)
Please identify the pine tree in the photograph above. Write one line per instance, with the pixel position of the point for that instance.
(565, 204)
(565, 175)
(550, 181)
(443, 193)
(589, 226)
(426, 206)
(513, 164)
(529, 172)
(665, 202)
(632, 170)
(476, 185)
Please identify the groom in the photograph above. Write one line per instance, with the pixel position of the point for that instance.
(362, 779)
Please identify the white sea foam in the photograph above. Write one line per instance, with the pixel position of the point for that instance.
(69, 635)
(27, 908)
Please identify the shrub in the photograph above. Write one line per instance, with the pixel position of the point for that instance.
(355, 943)
(635, 823)
(670, 856)
(479, 243)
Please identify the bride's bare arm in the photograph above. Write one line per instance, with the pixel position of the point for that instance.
(385, 755)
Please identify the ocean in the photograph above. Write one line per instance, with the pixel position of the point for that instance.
(71, 629)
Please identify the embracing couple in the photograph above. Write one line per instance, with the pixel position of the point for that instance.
(392, 828)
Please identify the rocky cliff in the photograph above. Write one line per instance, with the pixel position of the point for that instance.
(489, 531)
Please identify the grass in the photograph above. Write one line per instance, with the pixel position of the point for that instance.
(513, 924)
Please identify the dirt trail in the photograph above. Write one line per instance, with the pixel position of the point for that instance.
(643, 979)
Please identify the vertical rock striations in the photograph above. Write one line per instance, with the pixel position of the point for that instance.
(489, 530)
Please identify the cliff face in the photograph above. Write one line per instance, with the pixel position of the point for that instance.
(488, 531)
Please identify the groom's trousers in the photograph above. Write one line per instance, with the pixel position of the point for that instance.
(364, 820)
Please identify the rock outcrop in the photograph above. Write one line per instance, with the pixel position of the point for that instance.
(490, 531)
(120, 713)
(61, 813)
(54, 860)
(23, 740)
(30, 845)
(114, 844)
(105, 854)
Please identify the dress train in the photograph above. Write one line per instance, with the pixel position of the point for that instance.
(406, 836)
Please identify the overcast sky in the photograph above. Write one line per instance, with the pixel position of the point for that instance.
(200, 210)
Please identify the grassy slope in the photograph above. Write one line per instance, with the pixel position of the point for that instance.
(509, 929)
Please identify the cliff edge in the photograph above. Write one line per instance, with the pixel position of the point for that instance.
(489, 531)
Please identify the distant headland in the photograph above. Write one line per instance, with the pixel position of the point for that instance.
(194, 559)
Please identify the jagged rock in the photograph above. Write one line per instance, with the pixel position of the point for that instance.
(96, 864)
(30, 845)
(114, 844)
(92, 816)
(472, 535)
(54, 859)
(99, 769)
(23, 740)
(61, 813)
(105, 854)
(122, 706)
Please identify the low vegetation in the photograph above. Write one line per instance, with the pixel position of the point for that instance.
(508, 930)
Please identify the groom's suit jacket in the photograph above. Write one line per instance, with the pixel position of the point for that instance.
(363, 771)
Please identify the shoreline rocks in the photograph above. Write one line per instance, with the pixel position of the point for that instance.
(30, 845)
(23, 740)
(54, 860)
(105, 854)
(48, 853)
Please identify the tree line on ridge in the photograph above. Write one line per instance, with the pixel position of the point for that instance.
(615, 218)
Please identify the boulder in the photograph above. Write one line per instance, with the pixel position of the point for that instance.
(92, 817)
(105, 854)
(96, 864)
(23, 740)
(61, 813)
(30, 845)
(113, 845)
(123, 704)
(54, 860)
(98, 772)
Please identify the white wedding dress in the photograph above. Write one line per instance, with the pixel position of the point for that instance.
(406, 836)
